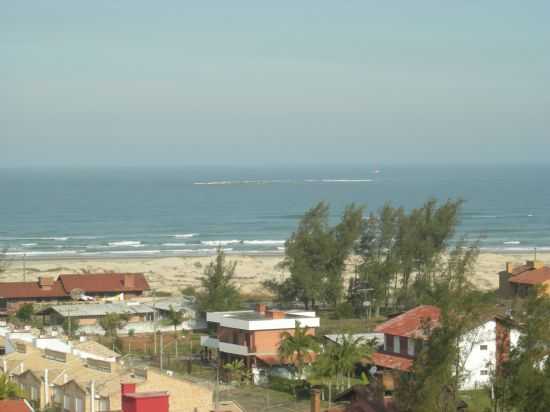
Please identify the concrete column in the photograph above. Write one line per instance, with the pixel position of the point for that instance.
(315, 400)
(46, 388)
(92, 396)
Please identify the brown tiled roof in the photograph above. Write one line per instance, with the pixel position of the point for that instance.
(528, 276)
(105, 282)
(31, 290)
(411, 323)
(89, 283)
(14, 405)
(388, 361)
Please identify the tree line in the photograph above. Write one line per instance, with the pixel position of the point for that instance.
(401, 256)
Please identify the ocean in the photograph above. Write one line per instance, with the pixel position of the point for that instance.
(79, 212)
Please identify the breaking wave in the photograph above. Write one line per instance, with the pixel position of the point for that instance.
(131, 243)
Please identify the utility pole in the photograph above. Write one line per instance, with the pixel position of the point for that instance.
(155, 321)
(161, 351)
(24, 267)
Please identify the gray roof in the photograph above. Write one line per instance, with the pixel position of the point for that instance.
(179, 304)
(98, 309)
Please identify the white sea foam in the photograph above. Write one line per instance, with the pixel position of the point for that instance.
(241, 182)
(131, 243)
(281, 248)
(43, 253)
(346, 180)
(28, 244)
(174, 244)
(185, 235)
(512, 242)
(338, 180)
(264, 242)
(220, 242)
(134, 252)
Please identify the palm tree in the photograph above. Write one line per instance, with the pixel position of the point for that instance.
(175, 319)
(298, 348)
(9, 389)
(235, 370)
(349, 351)
(326, 367)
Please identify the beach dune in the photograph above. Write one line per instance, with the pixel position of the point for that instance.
(171, 274)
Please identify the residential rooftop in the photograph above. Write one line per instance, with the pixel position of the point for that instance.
(412, 323)
(47, 287)
(532, 273)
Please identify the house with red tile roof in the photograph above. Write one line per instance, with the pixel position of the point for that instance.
(520, 280)
(405, 334)
(46, 289)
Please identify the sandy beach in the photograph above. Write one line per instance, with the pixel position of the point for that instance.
(172, 274)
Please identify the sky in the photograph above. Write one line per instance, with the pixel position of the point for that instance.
(142, 83)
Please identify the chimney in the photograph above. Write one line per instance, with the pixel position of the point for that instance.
(143, 401)
(129, 281)
(315, 400)
(261, 308)
(45, 282)
(502, 343)
(535, 264)
(126, 388)
(509, 267)
(275, 314)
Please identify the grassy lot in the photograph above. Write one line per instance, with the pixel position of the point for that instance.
(478, 400)
(255, 398)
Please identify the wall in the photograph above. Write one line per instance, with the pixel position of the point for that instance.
(477, 361)
(28, 380)
(74, 391)
(267, 341)
(185, 396)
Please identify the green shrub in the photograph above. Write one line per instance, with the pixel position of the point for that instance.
(25, 312)
(343, 310)
(300, 388)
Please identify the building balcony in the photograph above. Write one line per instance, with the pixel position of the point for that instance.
(210, 342)
(234, 349)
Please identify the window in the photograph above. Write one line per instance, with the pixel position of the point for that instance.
(79, 404)
(103, 405)
(34, 393)
(68, 403)
(58, 396)
(388, 343)
(482, 347)
(396, 344)
(410, 348)
(484, 372)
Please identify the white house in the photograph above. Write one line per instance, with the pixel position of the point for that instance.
(480, 348)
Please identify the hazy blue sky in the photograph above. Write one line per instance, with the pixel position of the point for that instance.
(130, 82)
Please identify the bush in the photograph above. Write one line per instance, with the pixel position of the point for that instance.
(343, 310)
(300, 388)
(25, 312)
(189, 291)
